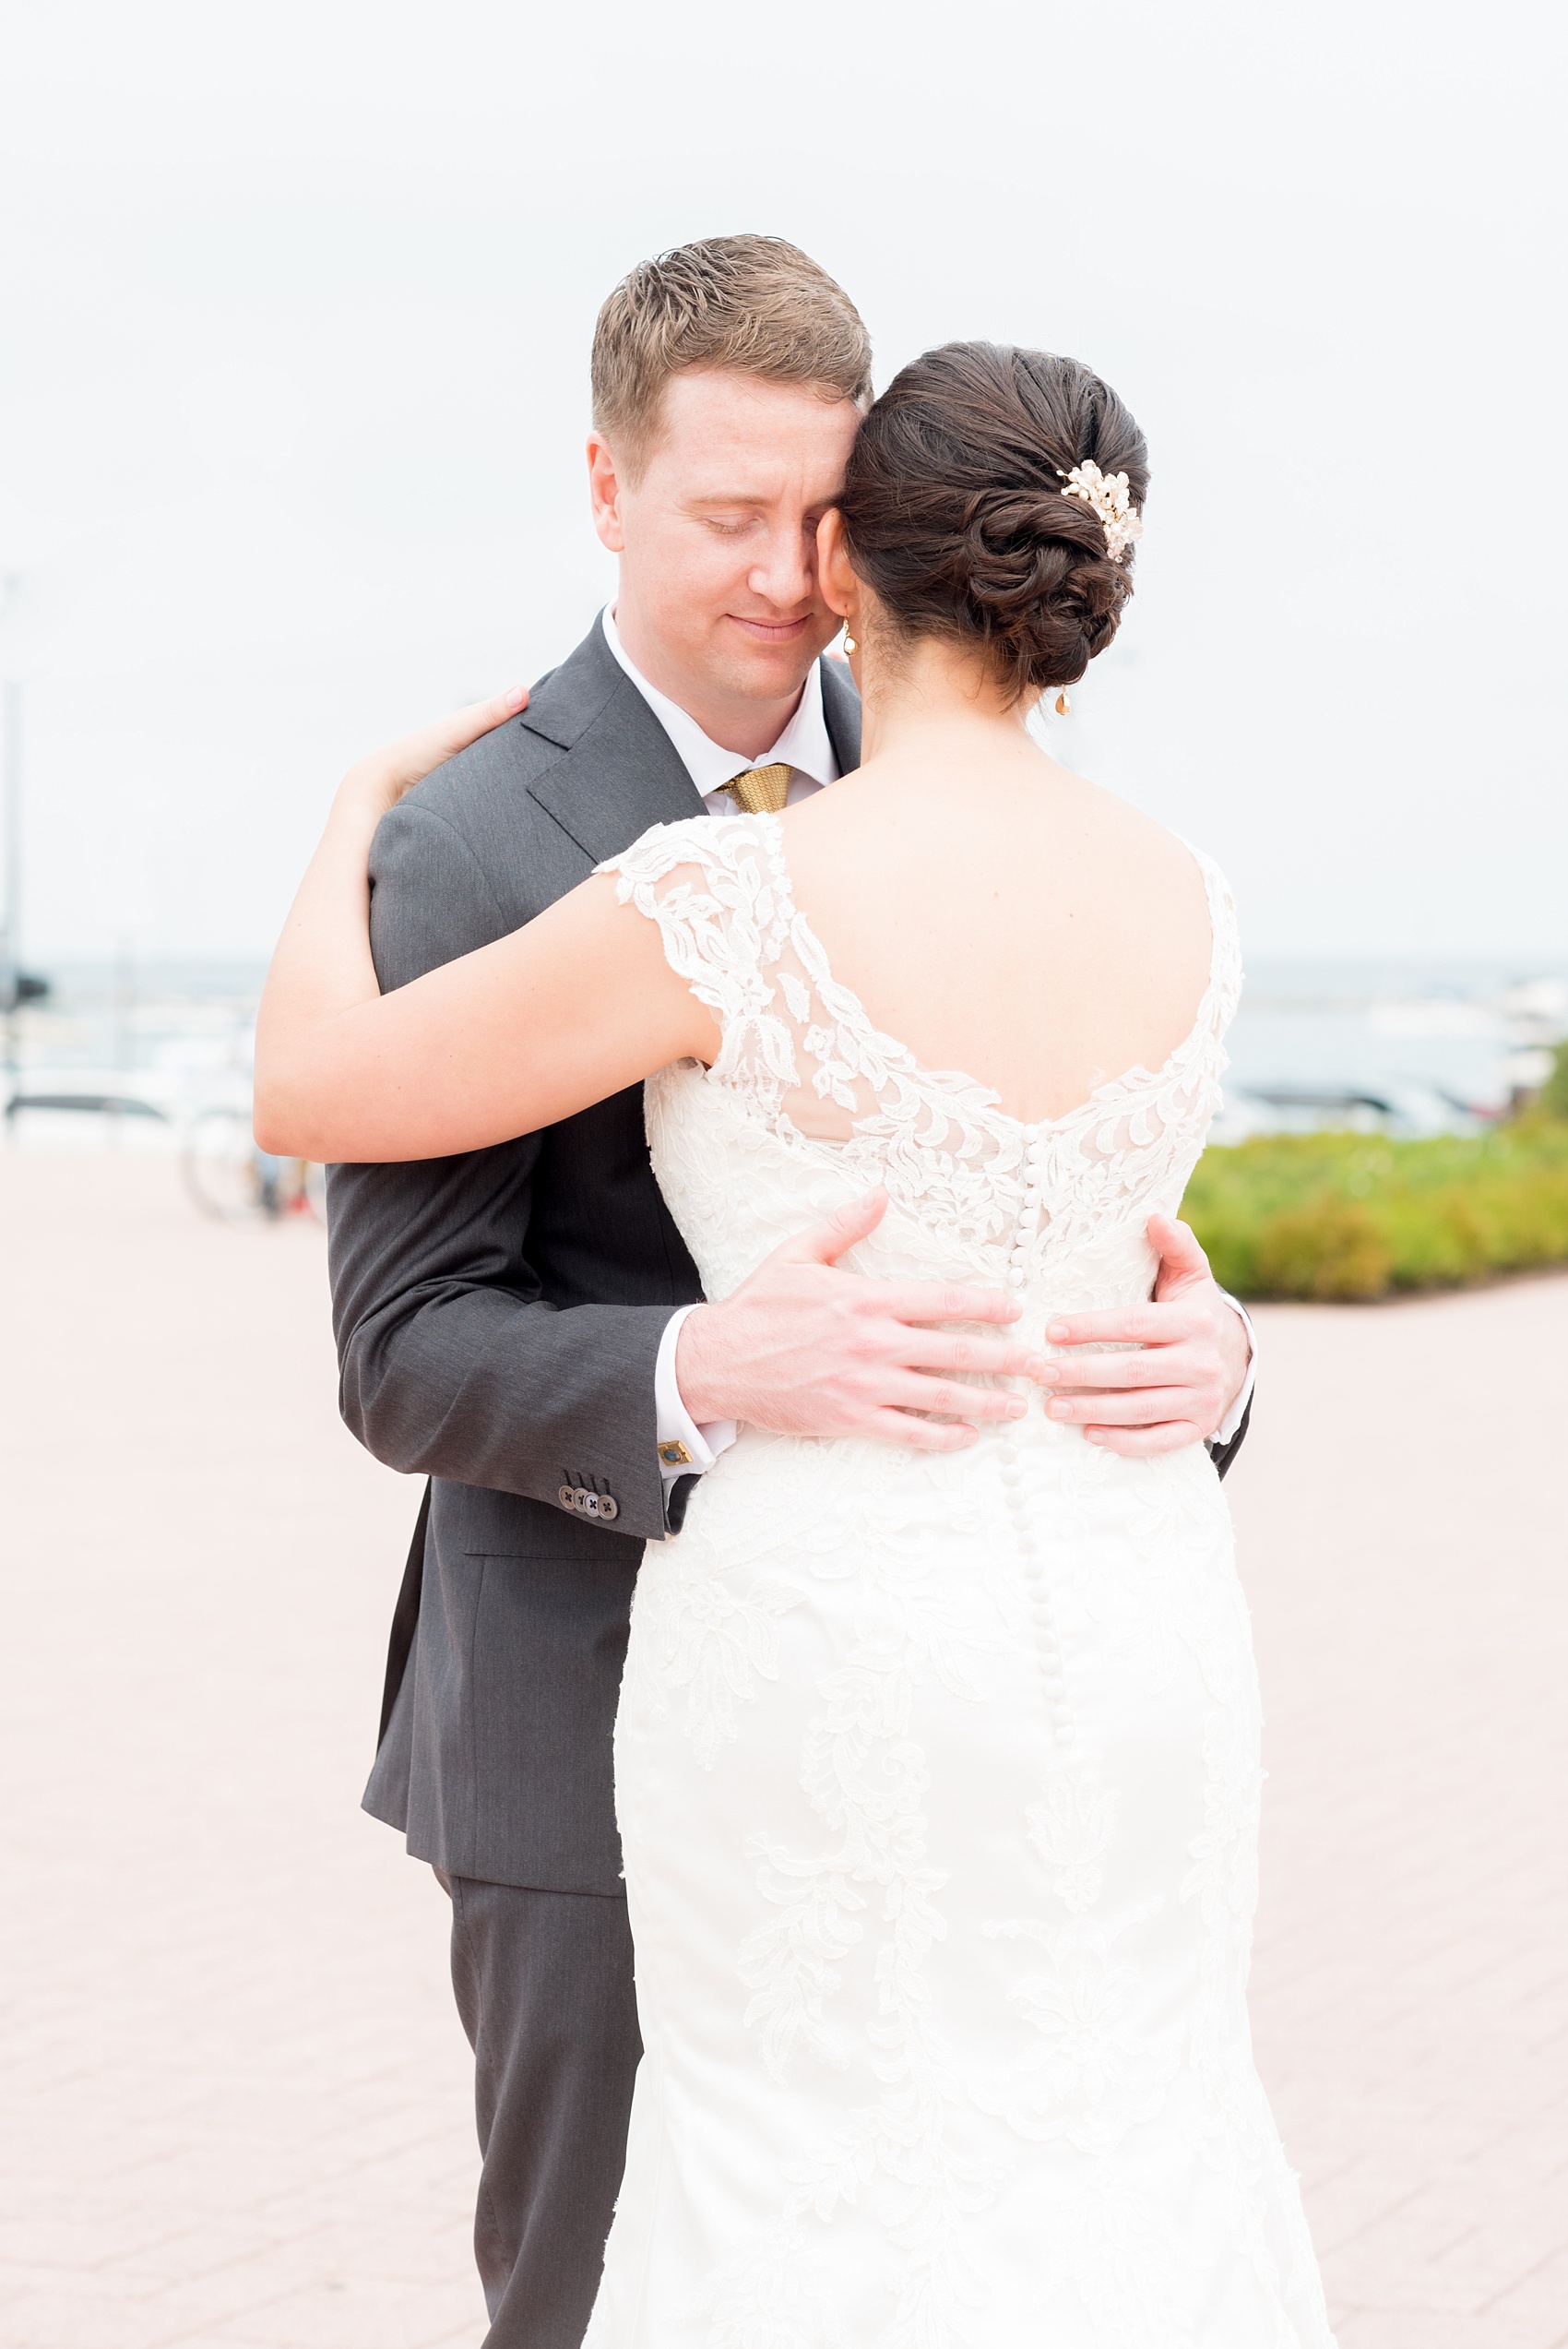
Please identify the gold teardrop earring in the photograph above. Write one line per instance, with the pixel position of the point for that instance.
(1064, 705)
(849, 644)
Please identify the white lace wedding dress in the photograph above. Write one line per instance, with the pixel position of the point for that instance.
(938, 1776)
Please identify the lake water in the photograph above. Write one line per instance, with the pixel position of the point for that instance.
(1433, 1042)
(1437, 1045)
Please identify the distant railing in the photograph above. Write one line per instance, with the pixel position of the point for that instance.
(224, 1173)
(101, 1104)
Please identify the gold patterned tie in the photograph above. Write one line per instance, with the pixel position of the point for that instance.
(761, 791)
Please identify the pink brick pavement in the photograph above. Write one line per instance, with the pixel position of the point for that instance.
(1403, 1520)
(235, 2096)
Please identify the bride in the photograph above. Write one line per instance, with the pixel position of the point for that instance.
(936, 1768)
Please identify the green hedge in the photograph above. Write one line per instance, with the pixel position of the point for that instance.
(1356, 1216)
(1553, 1101)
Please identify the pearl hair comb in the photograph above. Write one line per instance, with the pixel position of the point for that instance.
(1108, 495)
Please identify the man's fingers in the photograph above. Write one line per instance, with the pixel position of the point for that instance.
(949, 1397)
(1143, 1408)
(960, 1356)
(1179, 1249)
(1138, 1325)
(926, 1300)
(1158, 1323)
(825, 1241)
(1139, 1443)
(1174, 1365)
(920, 1435)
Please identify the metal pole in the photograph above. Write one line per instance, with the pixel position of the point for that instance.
(11, 905)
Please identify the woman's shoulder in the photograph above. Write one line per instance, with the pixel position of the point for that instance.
(1167, 858)
(734, 847)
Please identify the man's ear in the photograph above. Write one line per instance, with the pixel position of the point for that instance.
(836, 583)
(604, 493)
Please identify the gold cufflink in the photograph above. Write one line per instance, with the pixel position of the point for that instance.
(674, 1455)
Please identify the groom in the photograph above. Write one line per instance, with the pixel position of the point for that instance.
(523, 1325)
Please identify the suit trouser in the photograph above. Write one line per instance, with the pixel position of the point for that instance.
(544, 1989)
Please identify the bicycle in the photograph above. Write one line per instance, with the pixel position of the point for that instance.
(227, 1177)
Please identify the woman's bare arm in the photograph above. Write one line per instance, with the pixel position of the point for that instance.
(564, 1012)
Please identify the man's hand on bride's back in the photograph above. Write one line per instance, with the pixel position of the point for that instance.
(806, 1349)
(1187, 1362)
(379, 781)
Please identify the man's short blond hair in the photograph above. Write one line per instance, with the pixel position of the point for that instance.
(753, 304)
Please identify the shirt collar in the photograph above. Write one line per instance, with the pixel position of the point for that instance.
(803, 745)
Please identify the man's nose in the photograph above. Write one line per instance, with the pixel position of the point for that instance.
(786, 574)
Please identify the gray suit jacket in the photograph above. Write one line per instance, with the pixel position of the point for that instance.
(498, 1317)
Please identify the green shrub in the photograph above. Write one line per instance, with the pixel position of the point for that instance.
(1329, 1248)
(1356, 1216)
(1554, 1093)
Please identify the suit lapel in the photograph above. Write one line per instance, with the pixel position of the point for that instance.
(620, 771)
(841, 708)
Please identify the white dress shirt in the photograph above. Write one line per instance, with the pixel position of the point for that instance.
(804, 747)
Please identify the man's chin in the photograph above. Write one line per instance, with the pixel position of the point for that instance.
(753, 671)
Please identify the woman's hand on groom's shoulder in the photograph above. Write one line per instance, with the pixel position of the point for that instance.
(379, 781)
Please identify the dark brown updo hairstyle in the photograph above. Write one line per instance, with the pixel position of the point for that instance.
(953, 514)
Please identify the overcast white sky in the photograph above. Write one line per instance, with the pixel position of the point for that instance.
(295, 313)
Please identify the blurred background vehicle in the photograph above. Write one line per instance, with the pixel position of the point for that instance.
(227, 1177)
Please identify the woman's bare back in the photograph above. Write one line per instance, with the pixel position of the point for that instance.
(1027, 930)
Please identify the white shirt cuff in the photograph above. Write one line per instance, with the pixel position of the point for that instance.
(685, 1449)
(1238, 1411)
